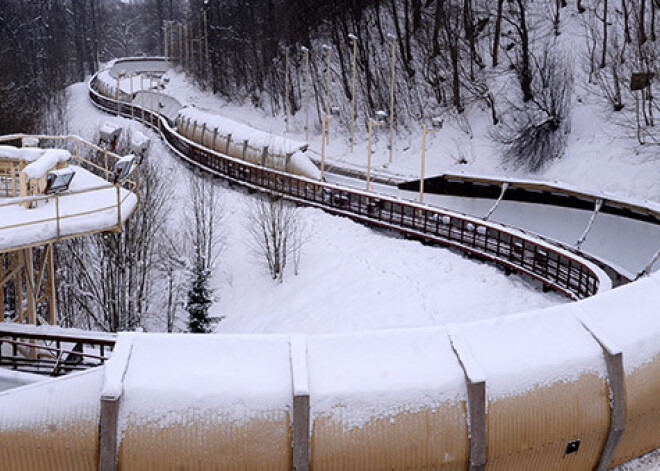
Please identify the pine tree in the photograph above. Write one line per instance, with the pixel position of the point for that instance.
(200, 299)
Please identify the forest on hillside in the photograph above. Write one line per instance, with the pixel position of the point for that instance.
(516, 60)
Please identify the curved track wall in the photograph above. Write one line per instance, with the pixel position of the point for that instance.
(571, 387)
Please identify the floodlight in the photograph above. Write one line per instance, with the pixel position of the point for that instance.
(437, 122)
(352, 37)
(124, 167)
(381, 116)
(110, 133)
(139, 145)
(58, 181)
(390, 36)
(325, 47)
(303, 49)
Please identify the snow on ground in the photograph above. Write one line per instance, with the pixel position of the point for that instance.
(356, 278)
(351, 277)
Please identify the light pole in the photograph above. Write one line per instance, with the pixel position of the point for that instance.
(379, 121)
(130, 76)
(436, 125)
(117, 94)
(328, 50)
(165, 51)
(207, 68)
(142, 95)
(306, 51)
(325, 122)
(286, 87)
(151, 100)
(393, 41)
(353, 38)
(158, 84)
(181, 63)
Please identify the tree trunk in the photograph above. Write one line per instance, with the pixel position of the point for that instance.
(626, 21)
(525, 72)
(653, 7)
(642, 22)
(498, 32)
(603, 59)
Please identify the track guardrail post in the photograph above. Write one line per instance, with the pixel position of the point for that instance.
(301, 404)
(108, 421)
(616, 381)
(111, 395)
(476, 389)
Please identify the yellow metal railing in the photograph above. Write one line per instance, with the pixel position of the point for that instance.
(103, 168)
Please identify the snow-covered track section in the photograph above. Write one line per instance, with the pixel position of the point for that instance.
(571, 387)
(556, 267)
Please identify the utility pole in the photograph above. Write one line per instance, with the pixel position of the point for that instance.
(286, 86)
(306, 51)
(328, 78)
(353, 38)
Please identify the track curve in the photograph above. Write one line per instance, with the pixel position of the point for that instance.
(570, 387)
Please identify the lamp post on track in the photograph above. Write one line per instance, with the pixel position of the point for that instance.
(165, 51)
(142, 95)
(158, 84)
(353, 38)
(328, 78)
(130, 77)
(306, 52)
(325, 122)
(379, 121)
(286, 87)
(392, 39)
(117, 95)
(436, 125)
(151, 100)
(181, 63)
(207, 64)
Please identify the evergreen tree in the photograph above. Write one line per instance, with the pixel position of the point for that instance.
(200, 299)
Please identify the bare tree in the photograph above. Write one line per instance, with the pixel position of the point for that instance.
(275, 233)
(535, 133)
(203, 222)
(107, 281)
(173, 267)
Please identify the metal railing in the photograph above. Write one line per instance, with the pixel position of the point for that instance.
(101, 164)
(52, 353)
(555, 267)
